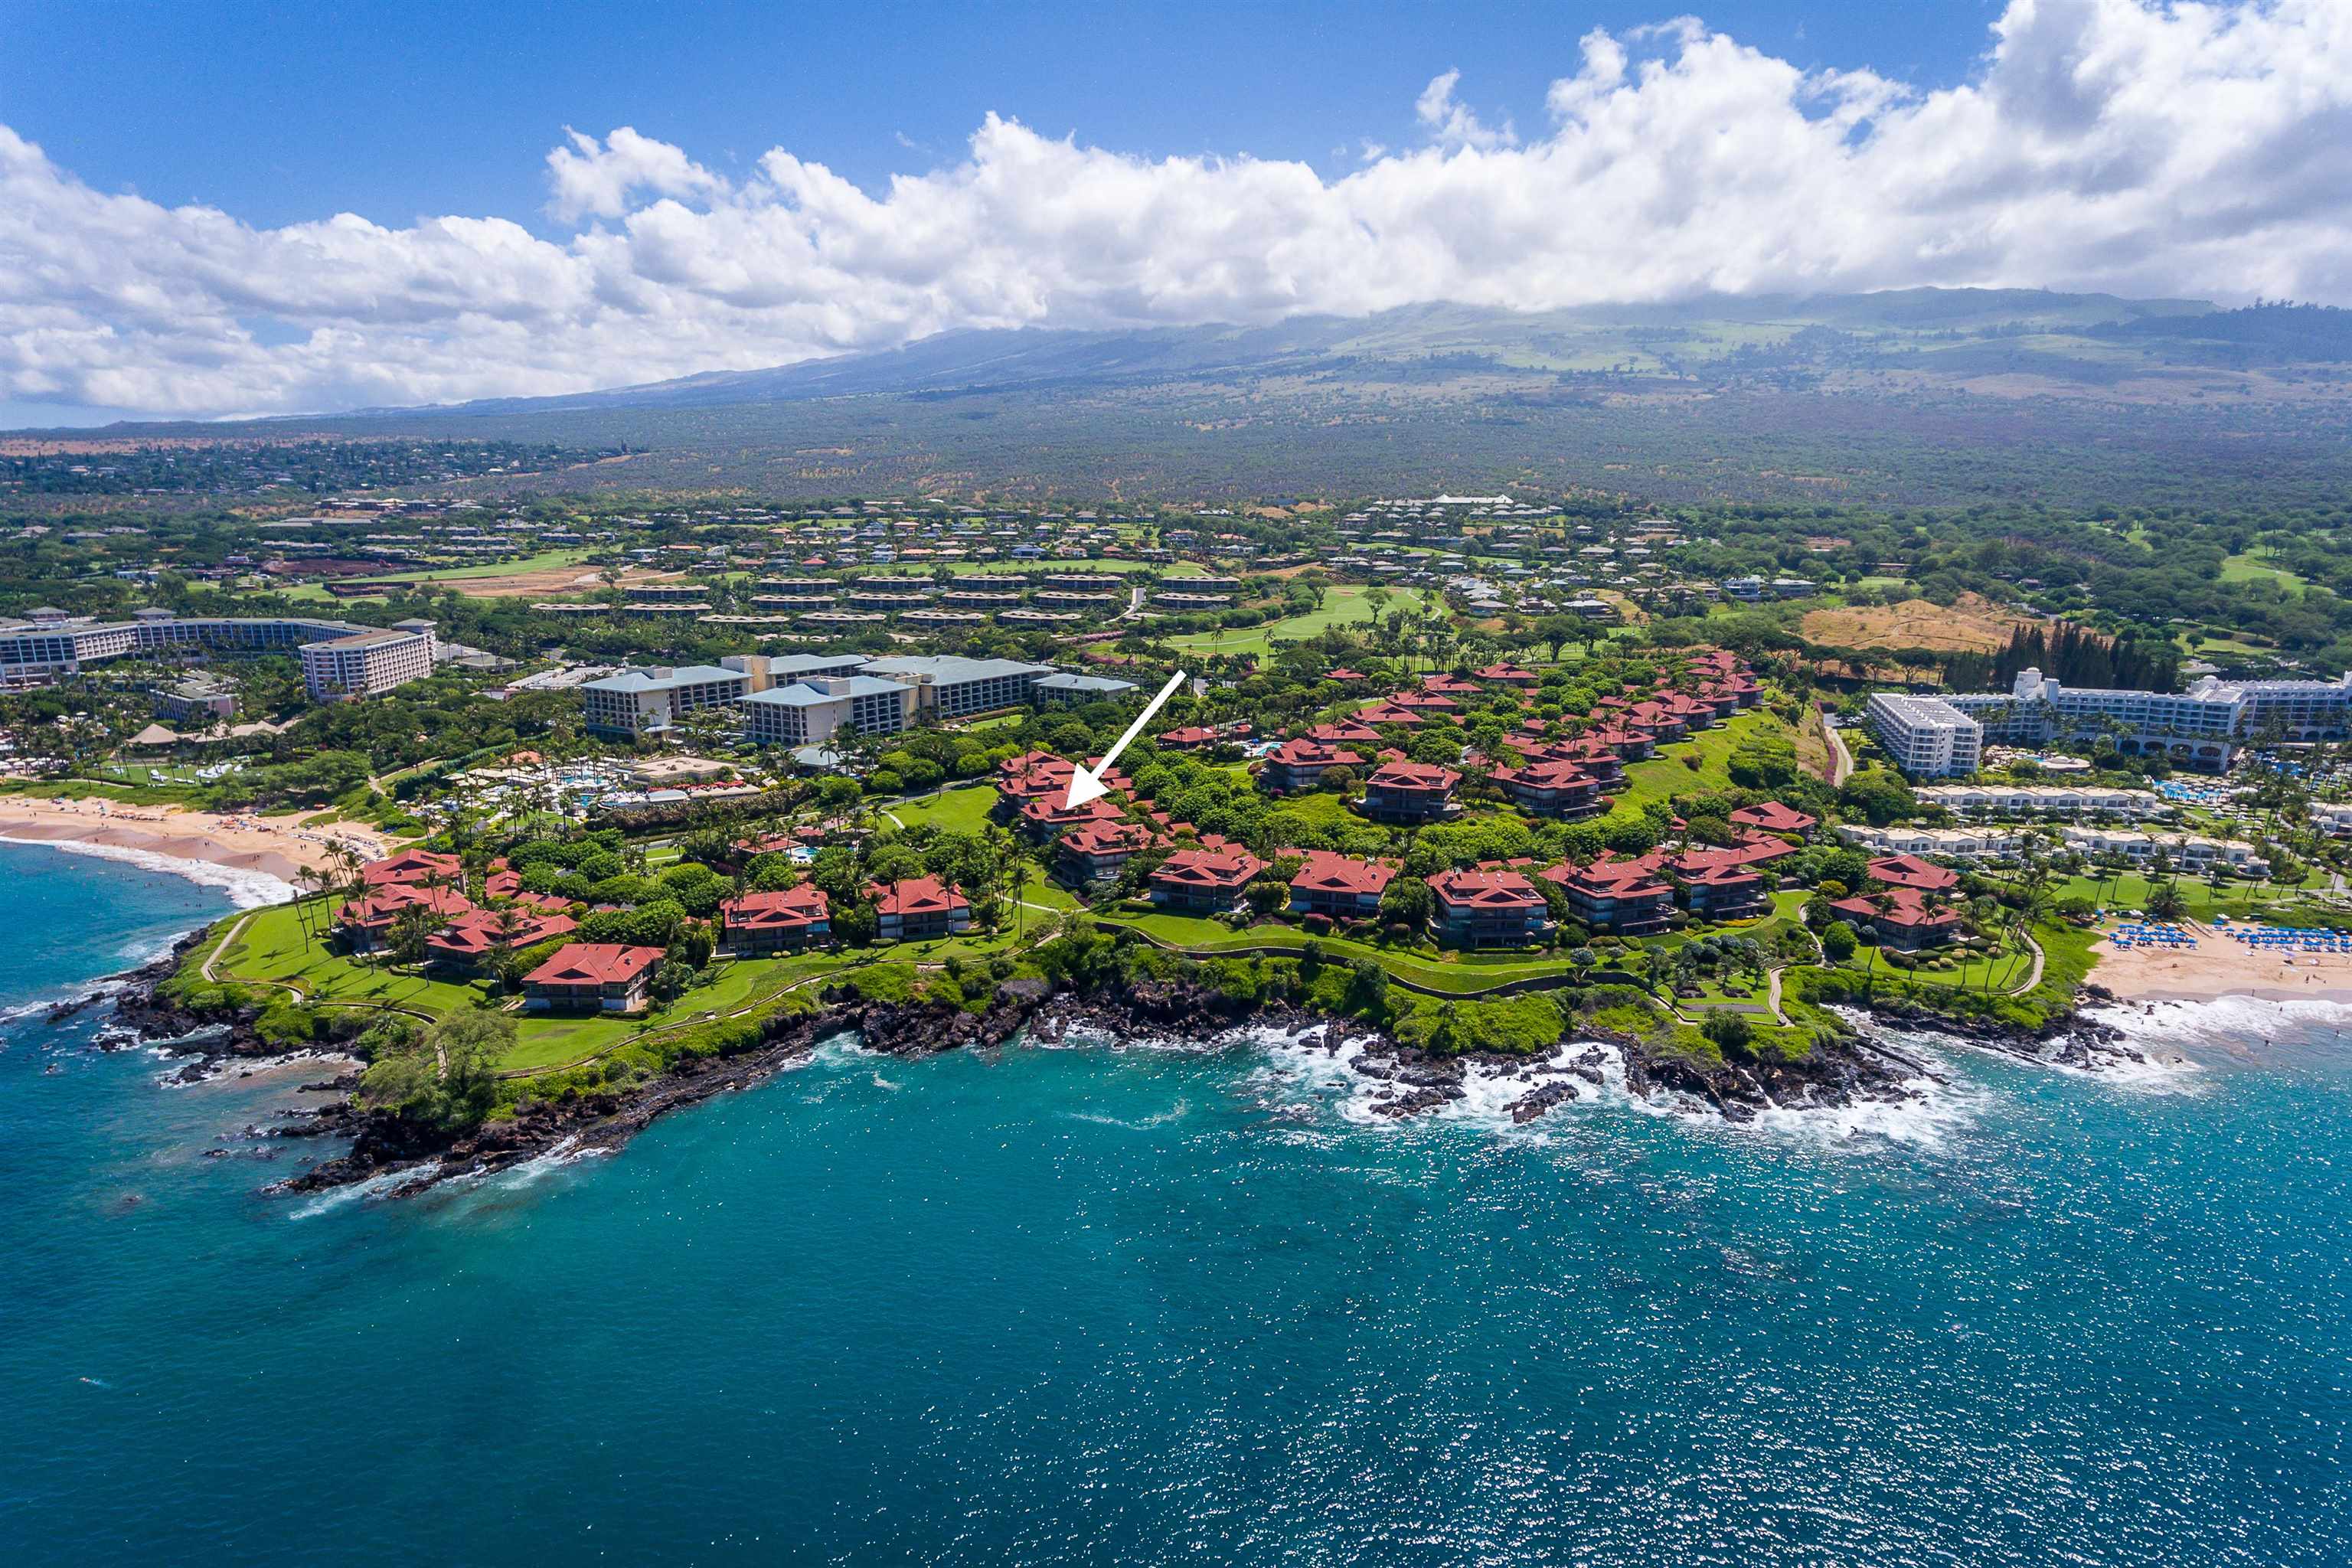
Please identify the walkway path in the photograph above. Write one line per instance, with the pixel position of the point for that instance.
(206, 969)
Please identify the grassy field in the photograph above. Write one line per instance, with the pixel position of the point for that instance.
(1342, 606)
(2247, 568)
(1667, 776)
(270, 950)
(545, 561)
(963, 810)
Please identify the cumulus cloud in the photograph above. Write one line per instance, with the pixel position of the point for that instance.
(595, 179)
(2115, 144)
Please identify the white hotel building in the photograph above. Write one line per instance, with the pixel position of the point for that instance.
(367, 660)
(1926, 736)
(2201, 727)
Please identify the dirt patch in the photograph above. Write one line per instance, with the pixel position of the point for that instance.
(545, 582)
(1970, 624)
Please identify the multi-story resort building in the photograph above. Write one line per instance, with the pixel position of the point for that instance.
(2202, 726)
(949, 686)
(366, 663)
(1927, 737)
(2041, 800)
(813, 710)
(642, 700)
(1340, 887)
(758, 923)
(917, 908)
(1621, 898)
(592, 977)
(1067, 691)
(2199, 726)
(1488, 906)
(1410, 793)
(52, 645)
(1208, 879)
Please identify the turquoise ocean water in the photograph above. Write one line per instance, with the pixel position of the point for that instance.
(1146, 1303)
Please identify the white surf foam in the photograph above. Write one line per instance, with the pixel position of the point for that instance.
(248, 890)
(375, 1186)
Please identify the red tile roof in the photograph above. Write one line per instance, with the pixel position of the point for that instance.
(1329, 873)
(1484, 888)
(1905, 907)
(1773, 818)
(478, 931)
(410, 865)
(1414, 775)
(788, 909)
(1910, 871)
(917, 895)
(1226, 868)
(595, 964)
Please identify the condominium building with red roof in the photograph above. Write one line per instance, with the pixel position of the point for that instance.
(1407, 793)
(592, 977)
(917, 908)
(1342, 887)
(780, 921)
(1204, 880)
(1488, 906)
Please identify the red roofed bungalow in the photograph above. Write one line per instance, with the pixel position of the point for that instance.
(1300, 765)
(1343, 673)
(1718, 884)
(1203, 881)
(1902, 917)
(918, 908)
(1910, 871)
(1425, 703)
(1588, 752)
(1346, 732)
(592, 977)
(1404, 791)
(1388, 713)
(1551, 788)
(1629, 744)
(1341, 886)
(1623, 897)
(1048, 816)
(502, 881)
(367, 921)
(775, 922)
(1439, 683)
(410, 866)
(1508, 674)
(1094, 852)
(1771, 816)
(1184, 740)
(1491, 906)
(465, 941)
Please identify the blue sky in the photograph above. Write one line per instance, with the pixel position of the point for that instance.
(545, 199)
(287, 113)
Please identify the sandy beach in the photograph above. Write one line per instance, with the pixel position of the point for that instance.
(2220, 967)
(277, 846)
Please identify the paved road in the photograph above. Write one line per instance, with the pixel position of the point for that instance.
(1841, 759)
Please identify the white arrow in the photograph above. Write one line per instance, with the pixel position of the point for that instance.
(1085, 784)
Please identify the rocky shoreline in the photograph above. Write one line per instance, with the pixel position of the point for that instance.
(402, 1157)
(2067, 1039)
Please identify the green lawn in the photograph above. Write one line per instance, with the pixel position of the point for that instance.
(1667, 775)
(1345, 604)
(272, 949)
(1465, 972)
(961, 810)
(2247, 568)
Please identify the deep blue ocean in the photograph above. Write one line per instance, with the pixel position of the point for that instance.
(1174, 1302)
